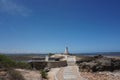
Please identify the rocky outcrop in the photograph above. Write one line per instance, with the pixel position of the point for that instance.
(116, 64)
(87, 66)
(99, 63)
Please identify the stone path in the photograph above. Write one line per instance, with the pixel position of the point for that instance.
(68, 74)
(71, 60)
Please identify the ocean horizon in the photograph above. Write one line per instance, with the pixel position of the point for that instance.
(77, 54)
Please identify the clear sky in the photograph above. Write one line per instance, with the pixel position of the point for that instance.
(51, 25)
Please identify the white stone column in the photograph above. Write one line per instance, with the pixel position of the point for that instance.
(46, 58)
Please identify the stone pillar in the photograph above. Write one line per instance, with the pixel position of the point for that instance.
(47, 58)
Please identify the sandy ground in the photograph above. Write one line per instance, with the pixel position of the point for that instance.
(101, 75)
(51, 74)
(30, 74)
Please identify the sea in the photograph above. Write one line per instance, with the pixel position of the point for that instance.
(76, 54)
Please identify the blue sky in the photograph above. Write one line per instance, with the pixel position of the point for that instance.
(51, 25)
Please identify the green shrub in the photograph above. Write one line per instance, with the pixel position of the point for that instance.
(50, 54)
(6, 62)
(43, 74)
(23, 65)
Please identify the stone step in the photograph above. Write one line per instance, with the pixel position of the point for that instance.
(68, 74)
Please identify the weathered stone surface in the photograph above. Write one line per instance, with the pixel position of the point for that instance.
(116, 64)
(87, 66)
(99, 63)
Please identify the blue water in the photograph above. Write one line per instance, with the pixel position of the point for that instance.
(77, 54)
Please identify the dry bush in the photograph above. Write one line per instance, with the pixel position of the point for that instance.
(15, 75)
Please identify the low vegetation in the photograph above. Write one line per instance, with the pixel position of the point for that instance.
(8, 66)
(23, 65)
(43, 74)
(6, 62)
(15, 75)
(50, 54)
